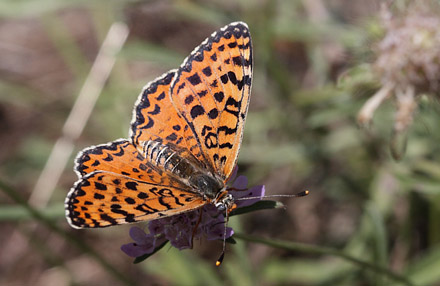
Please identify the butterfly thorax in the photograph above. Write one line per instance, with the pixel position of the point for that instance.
(185, 169)
(206, 185)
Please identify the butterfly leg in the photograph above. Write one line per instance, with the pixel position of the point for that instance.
(195, 227)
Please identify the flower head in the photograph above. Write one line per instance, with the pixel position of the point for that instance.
(180, 230)
(407, 65)
(143, 243)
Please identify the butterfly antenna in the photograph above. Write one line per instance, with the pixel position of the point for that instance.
(298, 195)
(220, 259)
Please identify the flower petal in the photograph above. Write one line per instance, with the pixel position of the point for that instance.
(135, 250)
(138, 235)
(233, 174)
(182, 241)
(257, 193)
(240, 183)
(157, 226)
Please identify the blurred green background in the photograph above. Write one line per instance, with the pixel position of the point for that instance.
(301, 133)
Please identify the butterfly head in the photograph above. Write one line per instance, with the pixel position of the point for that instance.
(224, 201)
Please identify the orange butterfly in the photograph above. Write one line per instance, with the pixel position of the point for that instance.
(183, 145)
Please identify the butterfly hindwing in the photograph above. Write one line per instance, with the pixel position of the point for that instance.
(211, 91)
(114, 175)
(102, 199)
(120, 157)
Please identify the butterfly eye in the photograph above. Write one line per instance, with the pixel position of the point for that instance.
(221, 207)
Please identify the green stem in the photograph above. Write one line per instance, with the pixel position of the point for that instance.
(295, 246)
(51, 225)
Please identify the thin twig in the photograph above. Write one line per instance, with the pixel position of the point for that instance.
(79, 114)
(73, 128)
(366, 113)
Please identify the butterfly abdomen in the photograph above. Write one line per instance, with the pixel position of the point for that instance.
(169, 160)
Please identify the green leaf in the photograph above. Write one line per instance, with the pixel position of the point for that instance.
(261, 205)
(231, 240)
(361, 75)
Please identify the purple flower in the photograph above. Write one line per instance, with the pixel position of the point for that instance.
(256, 192)
(144, 243)
(180, 229)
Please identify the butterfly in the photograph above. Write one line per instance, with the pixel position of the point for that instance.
(183, 143)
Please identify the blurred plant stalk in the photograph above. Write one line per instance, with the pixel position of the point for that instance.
(79, 115)
(74, 125)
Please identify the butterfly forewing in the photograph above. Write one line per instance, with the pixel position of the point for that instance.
(211, 91)
(120, 157)
(155, 118)
(113, 174)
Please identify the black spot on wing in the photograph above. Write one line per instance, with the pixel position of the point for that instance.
(106, 217)
(213, 113)
(161, 96)
(219, 96)
(120, 153)
(224, 78)
(146, 209)
(225, 145)
(155, 111)
(189, 99)
(150, 123)
(100, 186)
(238, 61)
(202, 93)
(142, 195)
(130, 201)
(227, 130)
(98, 196)
(130, 218)
(232, 77)
(207, 71)
(131, 186)
(181, 86)
(197, 110)
(176, 127)
(162, 202)
(194, 79)
(172, 137)
(142, 167)
(109, 158)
